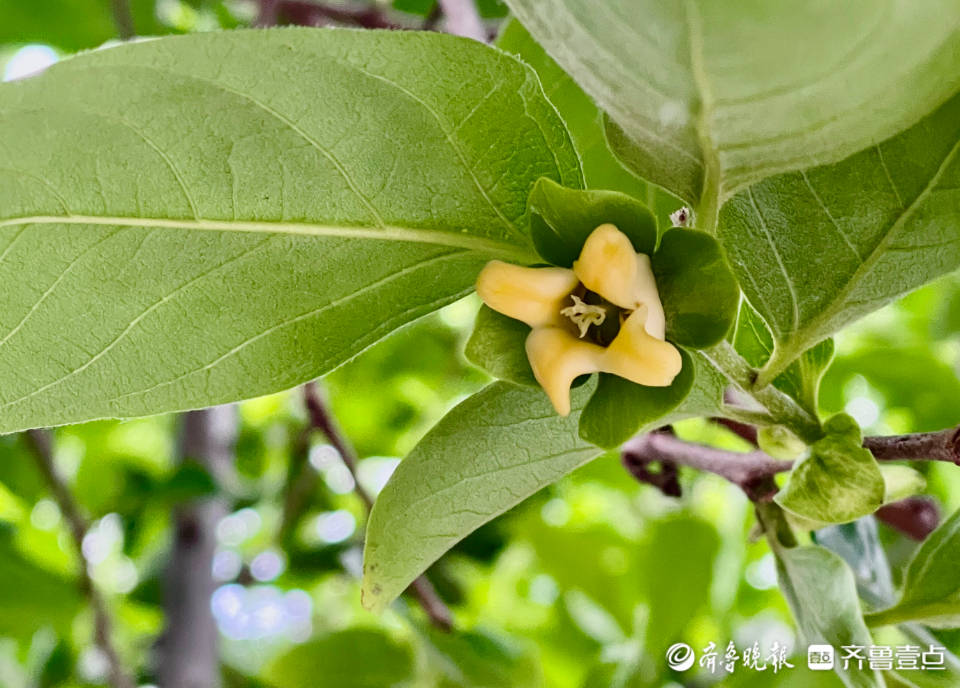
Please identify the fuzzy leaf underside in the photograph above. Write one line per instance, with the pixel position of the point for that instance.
(195, 220)
(695, 112)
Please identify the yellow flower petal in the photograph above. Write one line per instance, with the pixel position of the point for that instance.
(531, 295)
(639, 357)
(609, 266)
(558, 358)
(645, 293)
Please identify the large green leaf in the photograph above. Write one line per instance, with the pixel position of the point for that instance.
(931, 588)
(822, 594)
(706, 97)
(678, 562)
(475, 658)
(200, 219)
(75, 24)
(601, 170)
(488, 454)
(816, 249)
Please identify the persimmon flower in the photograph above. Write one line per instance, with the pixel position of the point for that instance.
(604, 315)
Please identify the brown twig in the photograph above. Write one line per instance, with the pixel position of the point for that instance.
(41, 446)
(742, 430)
(753, 471)
(943, 445)
(321, 419)
(123, 19)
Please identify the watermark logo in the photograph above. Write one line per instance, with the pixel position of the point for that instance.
(680, 657)
(820, 657)
(714, 659)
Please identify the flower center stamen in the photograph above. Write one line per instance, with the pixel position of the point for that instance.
(583, 315)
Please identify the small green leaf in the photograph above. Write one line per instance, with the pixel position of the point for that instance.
(32, 597)
(838, 481)
(699, 293)
(620, 409)
(488, 454)
(926, 679)
(498, 346)
(901, 482)
(561, 220)
(822, 594)
(353, 658)
(779, 442)
(190, 481)
(931, 587)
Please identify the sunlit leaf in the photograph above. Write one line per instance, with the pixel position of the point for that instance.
(822, 594)
(698, 112)
(488, 454)
(931, 588)
(195, 220)
(814, 250)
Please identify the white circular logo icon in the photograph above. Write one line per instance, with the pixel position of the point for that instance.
(680, 656)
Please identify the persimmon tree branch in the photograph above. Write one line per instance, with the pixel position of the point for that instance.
(943, 445)
(323, 420)
(123, 18)
(753, 471)
(188, 651)
(41, 446)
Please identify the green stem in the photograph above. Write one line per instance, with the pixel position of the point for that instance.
(742, 415)
(775, 526)
(781, 408)
(779, 360)
(898, 615)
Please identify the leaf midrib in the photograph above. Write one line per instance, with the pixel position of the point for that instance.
(709, 202)
(382, 233)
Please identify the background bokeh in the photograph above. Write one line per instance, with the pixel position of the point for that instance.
(583, 586)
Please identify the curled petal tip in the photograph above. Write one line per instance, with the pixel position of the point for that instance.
(641, 358)
(558, 358)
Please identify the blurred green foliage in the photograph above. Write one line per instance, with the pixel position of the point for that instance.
(583, 586)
